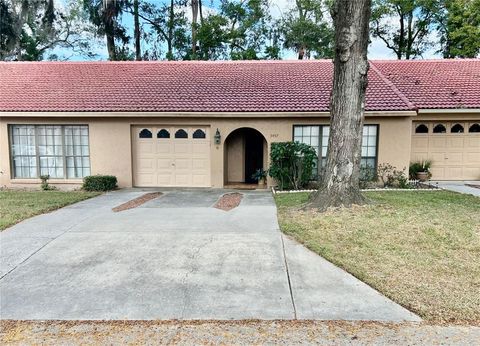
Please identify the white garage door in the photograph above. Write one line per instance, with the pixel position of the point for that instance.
(453, 148)
(171, 156)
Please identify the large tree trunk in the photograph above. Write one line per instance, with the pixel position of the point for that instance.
(109, 18)
(301, 53)
(138, 51)
(194, 26)
(112, 55)
(340, 184)
(171, 19)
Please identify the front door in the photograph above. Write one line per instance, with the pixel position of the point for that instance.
(253, 154)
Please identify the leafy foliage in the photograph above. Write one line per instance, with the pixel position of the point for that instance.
(259, 174)
(459, 25)
(164, 24)
(404, 25)
(8, 36)
(31, 29)
(368, 177)
(385, 175)
(105, 16)
(291, 164)
(99, 183)
(226, 29)
(238, 31)
(417, 167)
(390, 176)
(45, 185)
(306, 31)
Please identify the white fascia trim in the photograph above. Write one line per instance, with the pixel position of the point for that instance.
(447, 110)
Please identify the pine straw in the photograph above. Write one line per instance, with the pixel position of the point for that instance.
(229, 201)
(133, 203)
(245, 332)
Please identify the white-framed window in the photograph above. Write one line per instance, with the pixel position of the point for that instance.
(60, 151)
(317, 136)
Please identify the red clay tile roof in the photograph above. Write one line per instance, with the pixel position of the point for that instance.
(435, 83)
(260, 86)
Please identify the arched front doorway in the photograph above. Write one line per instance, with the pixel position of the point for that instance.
(245, 153)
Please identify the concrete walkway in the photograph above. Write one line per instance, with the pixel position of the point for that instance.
(460, 186)
(175, 257)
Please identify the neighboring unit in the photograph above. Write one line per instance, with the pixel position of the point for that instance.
(210, 124)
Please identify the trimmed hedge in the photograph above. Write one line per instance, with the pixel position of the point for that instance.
(99, 183)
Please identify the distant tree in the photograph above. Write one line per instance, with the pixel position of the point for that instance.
(136, 31)
(404, 25)
(104, 14)
(212, 37)
(164, 24)
(459, 26)
(340, 183)
(238, 31)
(33, 29)
(306, 29)
(273, 47)
(8, 35)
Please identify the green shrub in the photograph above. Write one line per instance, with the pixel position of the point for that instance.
(291, 164)
(389, 176)
(45, 185)
(416, 167)
(368, 177)
(99, 183)
(260, 174)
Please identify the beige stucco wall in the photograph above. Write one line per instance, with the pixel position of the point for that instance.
(110, 141)
(235, 158)
(394, 142)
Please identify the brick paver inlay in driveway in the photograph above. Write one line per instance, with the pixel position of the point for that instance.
(174, 257)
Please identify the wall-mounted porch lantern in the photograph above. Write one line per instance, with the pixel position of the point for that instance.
(217, 138)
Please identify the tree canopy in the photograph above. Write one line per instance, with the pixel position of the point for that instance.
(225, 29)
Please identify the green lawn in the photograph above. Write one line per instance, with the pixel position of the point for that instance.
(16, 206)
(421, 249)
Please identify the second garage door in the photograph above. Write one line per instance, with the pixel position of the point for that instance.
(452, 147)
(171, 156)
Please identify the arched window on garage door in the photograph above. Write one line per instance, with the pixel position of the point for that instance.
(181, 134)
(457, 128)
(439, 128)
(474, 128)
(163, 134)
(422, 128)
(199, 134)
(145, 133)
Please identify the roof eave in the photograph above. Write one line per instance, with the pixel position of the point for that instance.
(143, 114)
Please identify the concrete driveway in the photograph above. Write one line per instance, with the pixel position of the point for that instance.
(175, 257)
(466, 187)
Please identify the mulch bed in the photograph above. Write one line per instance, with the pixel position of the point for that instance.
(229, 201)
(133, 203)
(244, 332)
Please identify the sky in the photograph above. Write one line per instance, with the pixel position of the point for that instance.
(376, 50)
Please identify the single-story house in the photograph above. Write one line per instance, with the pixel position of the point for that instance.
(210, 124)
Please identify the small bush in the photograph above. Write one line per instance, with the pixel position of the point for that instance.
(291, 164)
(45, 186)
(389, 176)
(368, 177)
(99, 183)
